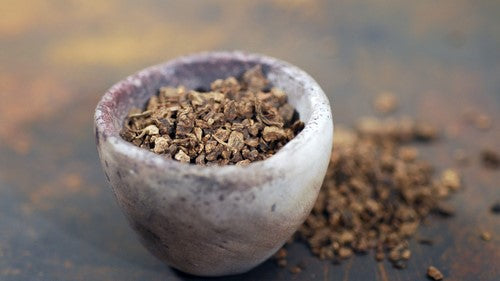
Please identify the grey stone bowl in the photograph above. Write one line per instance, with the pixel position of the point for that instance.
(216, 220)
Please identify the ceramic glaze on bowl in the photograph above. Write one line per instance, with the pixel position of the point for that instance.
(215, 220)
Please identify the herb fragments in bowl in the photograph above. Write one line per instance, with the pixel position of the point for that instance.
(236, 122)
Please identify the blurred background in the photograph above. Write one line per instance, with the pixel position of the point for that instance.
(58, 219)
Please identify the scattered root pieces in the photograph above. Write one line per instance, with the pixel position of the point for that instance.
(495, 208)
(396, 130)
(444, 209)
(434, 273)
(376, 192)
(282, 263)
(478, 119)
(486, 236)
(236, 122)
(385, 102)
(483, 122)
(295, 269)
(451, 179)
(490, 159)
(280, 257)
(425, 241)
(281, 260)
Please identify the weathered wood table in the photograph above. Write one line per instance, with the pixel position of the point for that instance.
(58, 218)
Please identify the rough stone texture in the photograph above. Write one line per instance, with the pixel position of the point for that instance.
(215, 220)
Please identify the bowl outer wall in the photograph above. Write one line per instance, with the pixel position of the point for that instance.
(215, 220)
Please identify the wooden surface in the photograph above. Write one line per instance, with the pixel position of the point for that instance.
(58, 217)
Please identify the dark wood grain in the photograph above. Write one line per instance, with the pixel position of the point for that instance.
(58, 218)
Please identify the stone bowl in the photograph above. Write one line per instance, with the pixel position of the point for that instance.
(215, 220)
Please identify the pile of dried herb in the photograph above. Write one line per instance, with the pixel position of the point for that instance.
(434, 273)
(376, 192)
(237, 122)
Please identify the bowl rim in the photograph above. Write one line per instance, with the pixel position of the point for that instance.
(105, 131)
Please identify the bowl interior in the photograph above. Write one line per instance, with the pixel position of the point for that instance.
(198, 72)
